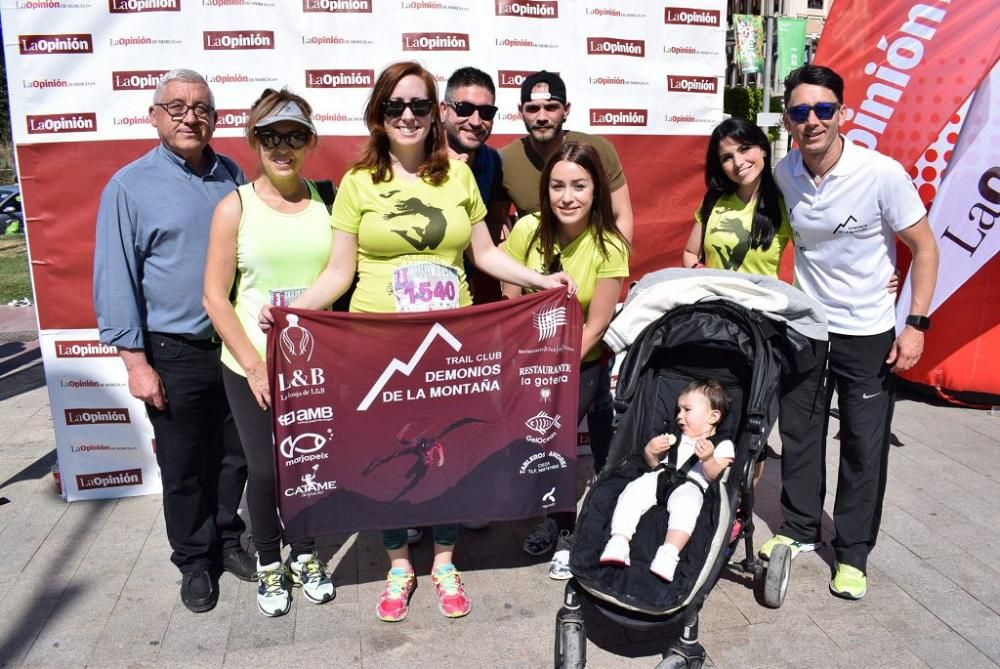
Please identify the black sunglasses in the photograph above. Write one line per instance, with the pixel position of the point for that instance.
(466, 109)
(271, 139)
(824, 111)
(394, 107)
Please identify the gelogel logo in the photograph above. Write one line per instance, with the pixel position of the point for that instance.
(435, 42)
(135, 6)
(686, 84)
(138, 80)
(115, 416)
(338, 6)
(50, 44)
(59, 123)
(232, 118)
(109, 479)
(529, 9)
(340, 78)
(688, 16)
(85, 348)
(615, 46)
(225, 40)
(625, 117)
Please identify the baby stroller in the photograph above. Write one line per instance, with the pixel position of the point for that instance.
(683, 325)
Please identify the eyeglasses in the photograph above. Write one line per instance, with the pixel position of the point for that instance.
(177, 110)
(271, 139)
(466, 109)
(555, 265)
(535, 107)
(394, 107)
(824, 111)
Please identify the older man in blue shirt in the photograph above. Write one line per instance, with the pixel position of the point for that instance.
(149, 259)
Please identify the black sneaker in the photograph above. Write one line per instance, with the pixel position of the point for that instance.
(240, 564)
(198, 591)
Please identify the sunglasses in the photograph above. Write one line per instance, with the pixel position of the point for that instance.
(824, 111)
(535, 107)
(394, 107)
(466, 109)
(270, 139)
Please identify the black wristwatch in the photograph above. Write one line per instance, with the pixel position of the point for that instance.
(922, 323)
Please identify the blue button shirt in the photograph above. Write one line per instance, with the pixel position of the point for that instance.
(152, 238)
(487, 167)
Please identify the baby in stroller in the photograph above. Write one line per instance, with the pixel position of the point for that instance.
(682, 480)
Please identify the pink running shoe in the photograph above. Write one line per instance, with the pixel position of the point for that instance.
(394, 603)
(453, 601)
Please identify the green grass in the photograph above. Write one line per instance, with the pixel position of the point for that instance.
(15, 282)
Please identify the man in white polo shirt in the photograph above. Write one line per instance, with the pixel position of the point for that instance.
(847, 205)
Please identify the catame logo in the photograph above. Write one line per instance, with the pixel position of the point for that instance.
(230, 40)
(91, 416)
(136, 6)
(687, 16)
(677, 83)
(232, 118)
(616, 46)
(528, 9)
(340, 78)
(51, 44)
(435, 41)
(136, 80)
(338, 6)
(109, 479)
(85, 348)
(623, 117)
(59, 123)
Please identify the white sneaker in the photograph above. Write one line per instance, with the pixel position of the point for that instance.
(310, 572)
(414, 535)
(616, 552)
(559, 565)
(273, 591)
(664, 563)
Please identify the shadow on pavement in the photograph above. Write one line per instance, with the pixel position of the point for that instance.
(38, 469)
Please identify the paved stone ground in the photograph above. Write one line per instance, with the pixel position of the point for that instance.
(89, 584)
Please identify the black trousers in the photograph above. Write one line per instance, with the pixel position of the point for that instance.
(854, 366)
(255, 429)
(201, 460)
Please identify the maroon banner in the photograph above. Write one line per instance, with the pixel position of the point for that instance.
(386, 420)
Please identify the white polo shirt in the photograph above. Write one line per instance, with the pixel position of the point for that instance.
(844, 231)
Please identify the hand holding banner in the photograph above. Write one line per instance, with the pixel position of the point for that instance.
(386, 420)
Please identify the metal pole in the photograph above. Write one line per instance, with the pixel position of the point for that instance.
(768, 51)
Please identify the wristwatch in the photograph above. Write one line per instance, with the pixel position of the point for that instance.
(922, 323)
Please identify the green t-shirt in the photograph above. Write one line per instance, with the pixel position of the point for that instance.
(522, 169)
(582, 260)
(727, 238)
(411, 238)
(277, 256)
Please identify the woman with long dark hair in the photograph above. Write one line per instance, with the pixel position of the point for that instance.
(574, 232)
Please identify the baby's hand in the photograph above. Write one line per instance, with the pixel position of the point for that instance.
(704, 449)
(657, 446)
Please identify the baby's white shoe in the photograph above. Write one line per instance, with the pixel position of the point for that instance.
(665, 562)
(616, 552)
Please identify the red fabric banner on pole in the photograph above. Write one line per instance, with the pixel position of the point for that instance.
(384, 421)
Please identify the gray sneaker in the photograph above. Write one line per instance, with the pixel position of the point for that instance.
(542, 538)
(559, 566)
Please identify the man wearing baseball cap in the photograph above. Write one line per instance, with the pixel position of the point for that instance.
(544, 108)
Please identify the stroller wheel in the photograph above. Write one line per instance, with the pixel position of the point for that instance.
(678, 661)
(771, 582)
(571, 642)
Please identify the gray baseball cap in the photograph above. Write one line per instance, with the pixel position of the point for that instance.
(290, 111)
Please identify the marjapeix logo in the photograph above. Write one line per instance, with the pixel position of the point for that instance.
(677, 83)
(513, 78)
(338, 6)
(232, 118)
(85, 348)
(340, 78)
(136, 80)
(47, 124)
(687, 16)
(50, 44)
(228, 40)
(135, 6)
(435, 41)
(621, 117)
(616, 46)
(114, 416)
(109, 479)
(529, 9)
